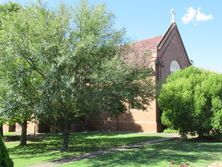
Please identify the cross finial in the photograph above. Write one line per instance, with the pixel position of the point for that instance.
(173, 15)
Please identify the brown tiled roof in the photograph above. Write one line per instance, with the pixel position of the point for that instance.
(147, 44)
(139, 54)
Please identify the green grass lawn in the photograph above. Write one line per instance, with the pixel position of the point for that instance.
(47, 147)
(196, 154)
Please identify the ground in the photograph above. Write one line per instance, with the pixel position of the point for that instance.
(47, 147)
(169, 153)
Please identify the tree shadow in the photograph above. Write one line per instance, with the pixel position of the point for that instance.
(123, 122)
(163, 154)
(80, 143)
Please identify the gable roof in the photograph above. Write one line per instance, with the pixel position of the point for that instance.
(173, 27)
(140, 52)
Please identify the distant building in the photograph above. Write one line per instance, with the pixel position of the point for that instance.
(165, 55)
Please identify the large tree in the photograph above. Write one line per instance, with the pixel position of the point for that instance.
(191, 101)
(88, 73)
(71, 59)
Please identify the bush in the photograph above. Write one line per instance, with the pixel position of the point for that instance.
(168, 130)
(5, 161)
(191, 101)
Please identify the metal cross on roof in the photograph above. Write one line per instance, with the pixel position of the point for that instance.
(173, 15)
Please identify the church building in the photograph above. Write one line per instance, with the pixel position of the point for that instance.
(167, 54)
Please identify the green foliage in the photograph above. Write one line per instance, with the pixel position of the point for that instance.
(9, 8)
(6, 11)
(191, 100)
(4, 156)
(19, 78)
(65, 63)
(87, 73)
(168, 130)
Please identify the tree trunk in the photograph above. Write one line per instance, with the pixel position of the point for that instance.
(117, 123)
(184, 136)
(1, 129)
(23, 139)
(200, 134)
(65, 133)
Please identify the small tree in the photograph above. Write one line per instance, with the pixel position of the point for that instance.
(4, 156)
(191, 101)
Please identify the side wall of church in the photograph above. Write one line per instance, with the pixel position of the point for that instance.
(132, 120)
(32, 128)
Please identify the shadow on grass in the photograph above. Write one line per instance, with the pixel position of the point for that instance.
(50, 144)
(163, 154)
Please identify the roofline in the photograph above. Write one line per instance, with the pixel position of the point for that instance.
(167, 35)
(157, 36)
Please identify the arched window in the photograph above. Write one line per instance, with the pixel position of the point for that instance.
(174, 66)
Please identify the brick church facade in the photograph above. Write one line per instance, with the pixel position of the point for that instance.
(167, 54)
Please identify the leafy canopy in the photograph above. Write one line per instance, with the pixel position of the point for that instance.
(191, 101)
(66, 63)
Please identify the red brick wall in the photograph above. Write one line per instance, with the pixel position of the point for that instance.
(133, 120)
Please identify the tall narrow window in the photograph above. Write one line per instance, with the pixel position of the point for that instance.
(174, 66)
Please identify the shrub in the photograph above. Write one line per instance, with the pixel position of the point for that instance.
(5, 161)
(168, 130)
(191, 101)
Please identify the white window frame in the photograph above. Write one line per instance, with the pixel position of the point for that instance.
(174, 66)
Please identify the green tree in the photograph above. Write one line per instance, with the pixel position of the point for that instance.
(191, 101)
(6, 11)
(19, 79)
(88, 73)
(66, 63)
(5, 160)
(33, 40)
